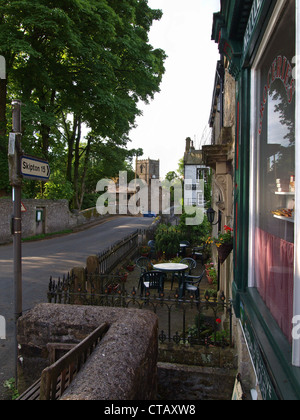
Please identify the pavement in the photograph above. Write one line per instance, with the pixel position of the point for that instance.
(50, 257)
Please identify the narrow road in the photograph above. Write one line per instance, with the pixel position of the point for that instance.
(51, 257)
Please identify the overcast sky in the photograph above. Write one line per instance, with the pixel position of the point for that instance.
(182, 107)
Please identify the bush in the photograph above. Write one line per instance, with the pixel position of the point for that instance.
(167, 240)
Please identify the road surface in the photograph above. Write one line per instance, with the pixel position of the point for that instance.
(52, 257)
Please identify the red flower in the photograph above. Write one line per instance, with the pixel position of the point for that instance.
(228, 229)
(218, 321)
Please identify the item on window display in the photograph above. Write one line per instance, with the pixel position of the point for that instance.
(284, 213)
(282, 185)
(292, 184)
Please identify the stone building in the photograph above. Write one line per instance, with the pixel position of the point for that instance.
(219, 156)
(194, 171)
(255, 117)
(147, 169)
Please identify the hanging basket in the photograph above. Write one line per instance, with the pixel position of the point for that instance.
(224, 251)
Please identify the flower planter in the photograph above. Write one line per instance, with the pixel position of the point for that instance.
(130, 268)
(224, 251)
(123, 276)
(209, 279)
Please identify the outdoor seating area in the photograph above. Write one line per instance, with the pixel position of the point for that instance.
(183, 296)
(182, 276)
(163, 276)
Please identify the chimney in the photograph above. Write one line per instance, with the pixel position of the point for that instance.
(188, 145)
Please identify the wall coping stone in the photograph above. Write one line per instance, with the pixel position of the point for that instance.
(124, 365)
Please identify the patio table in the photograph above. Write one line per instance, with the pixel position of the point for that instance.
(171, 267)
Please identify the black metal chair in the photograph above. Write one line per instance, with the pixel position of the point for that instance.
(198, 253)
(191, 284)
(152, 246)
(143, 263)
(182, 251)
(187, 261)
(152, 280)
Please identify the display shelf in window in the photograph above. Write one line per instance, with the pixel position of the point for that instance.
(286, 219)
(285, 193)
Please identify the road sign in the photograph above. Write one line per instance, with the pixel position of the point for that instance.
(35, 168)
(23, 208)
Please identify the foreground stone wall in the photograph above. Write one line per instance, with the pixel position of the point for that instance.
(124, 365)
(194, 383)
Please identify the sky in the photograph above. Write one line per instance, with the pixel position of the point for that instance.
(182, 108)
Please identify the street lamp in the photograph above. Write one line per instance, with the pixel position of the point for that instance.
(211, 216)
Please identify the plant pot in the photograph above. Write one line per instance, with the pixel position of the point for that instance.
(123, 276)
(210, 280)
(224, 251)
(130, 268)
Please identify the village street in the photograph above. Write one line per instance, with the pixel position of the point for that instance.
(51, 257)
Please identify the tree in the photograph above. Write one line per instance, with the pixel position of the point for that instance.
(78, 64)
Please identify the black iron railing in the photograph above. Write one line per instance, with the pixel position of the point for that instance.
(204, 321)
(112, 256)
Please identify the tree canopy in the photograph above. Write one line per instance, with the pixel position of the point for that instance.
(80, 67)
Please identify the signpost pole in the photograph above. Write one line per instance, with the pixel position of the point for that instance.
(17, 221)
(16, 182)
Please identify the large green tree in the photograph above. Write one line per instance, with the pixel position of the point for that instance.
(78, 66)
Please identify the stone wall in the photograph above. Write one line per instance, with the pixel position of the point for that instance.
(56, 217)
(194, 383)
(196, 373)
(124, 365)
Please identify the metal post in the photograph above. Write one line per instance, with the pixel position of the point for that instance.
(17, 221)
(16, 182)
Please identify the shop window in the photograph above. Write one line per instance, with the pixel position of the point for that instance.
(274, 172)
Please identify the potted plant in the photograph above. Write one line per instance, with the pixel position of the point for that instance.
(212, 275)
(224, 243)
(130, 266)
(122, 274)
(145, 251)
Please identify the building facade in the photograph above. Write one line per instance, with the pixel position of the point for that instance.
(194, 171)
(255, 116)
(147, 169)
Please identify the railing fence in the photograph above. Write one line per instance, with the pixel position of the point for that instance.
(181, 321)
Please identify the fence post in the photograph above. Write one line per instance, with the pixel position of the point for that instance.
(78, 273)
(92, 264)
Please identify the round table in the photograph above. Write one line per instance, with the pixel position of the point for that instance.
(171, 267)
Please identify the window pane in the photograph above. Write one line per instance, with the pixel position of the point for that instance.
(275, 173)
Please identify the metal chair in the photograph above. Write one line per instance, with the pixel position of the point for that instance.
(198, 253)
(187, 261)
(190, 262)
(152, 280)
(152, 246)
(182, 251)
(143, 263)
(191, 284)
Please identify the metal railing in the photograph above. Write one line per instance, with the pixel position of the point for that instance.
(206, 321)
(111, 257)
